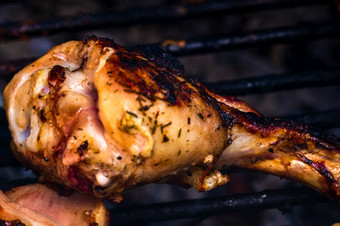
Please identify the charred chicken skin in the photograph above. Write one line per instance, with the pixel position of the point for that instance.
(99, 118)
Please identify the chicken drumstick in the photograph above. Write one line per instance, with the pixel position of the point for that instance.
(97, 117)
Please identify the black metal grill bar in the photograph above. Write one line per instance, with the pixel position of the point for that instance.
(304, 33)
(11, 30)
(324, 119)
(10, 1)
(273, 83)
(201, 208)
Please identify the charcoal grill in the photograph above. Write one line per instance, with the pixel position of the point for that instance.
(326, 78)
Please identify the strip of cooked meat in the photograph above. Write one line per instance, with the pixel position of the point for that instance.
(36, 204)
(97, 117)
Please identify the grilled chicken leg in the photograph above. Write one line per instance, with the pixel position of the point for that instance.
(97, 117)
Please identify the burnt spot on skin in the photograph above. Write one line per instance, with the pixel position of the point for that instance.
(165, 139)
(56, 76)
(83, 147)
(42, 115)
(105, 42)
(200, 116)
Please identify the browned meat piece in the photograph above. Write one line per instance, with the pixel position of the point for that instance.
(97, 117)
(37, 204)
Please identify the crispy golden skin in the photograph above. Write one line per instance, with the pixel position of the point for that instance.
(100, 118)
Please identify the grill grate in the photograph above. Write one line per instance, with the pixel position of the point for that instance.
(10, 30)
(199, 208)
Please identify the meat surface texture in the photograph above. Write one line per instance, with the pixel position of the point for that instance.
(36, 204)
(99, 118)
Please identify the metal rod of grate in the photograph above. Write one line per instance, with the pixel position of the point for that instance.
(323, 119)
(201, 208)
(11, 30)
(304, 33)
(279, 82)
(10, 1)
